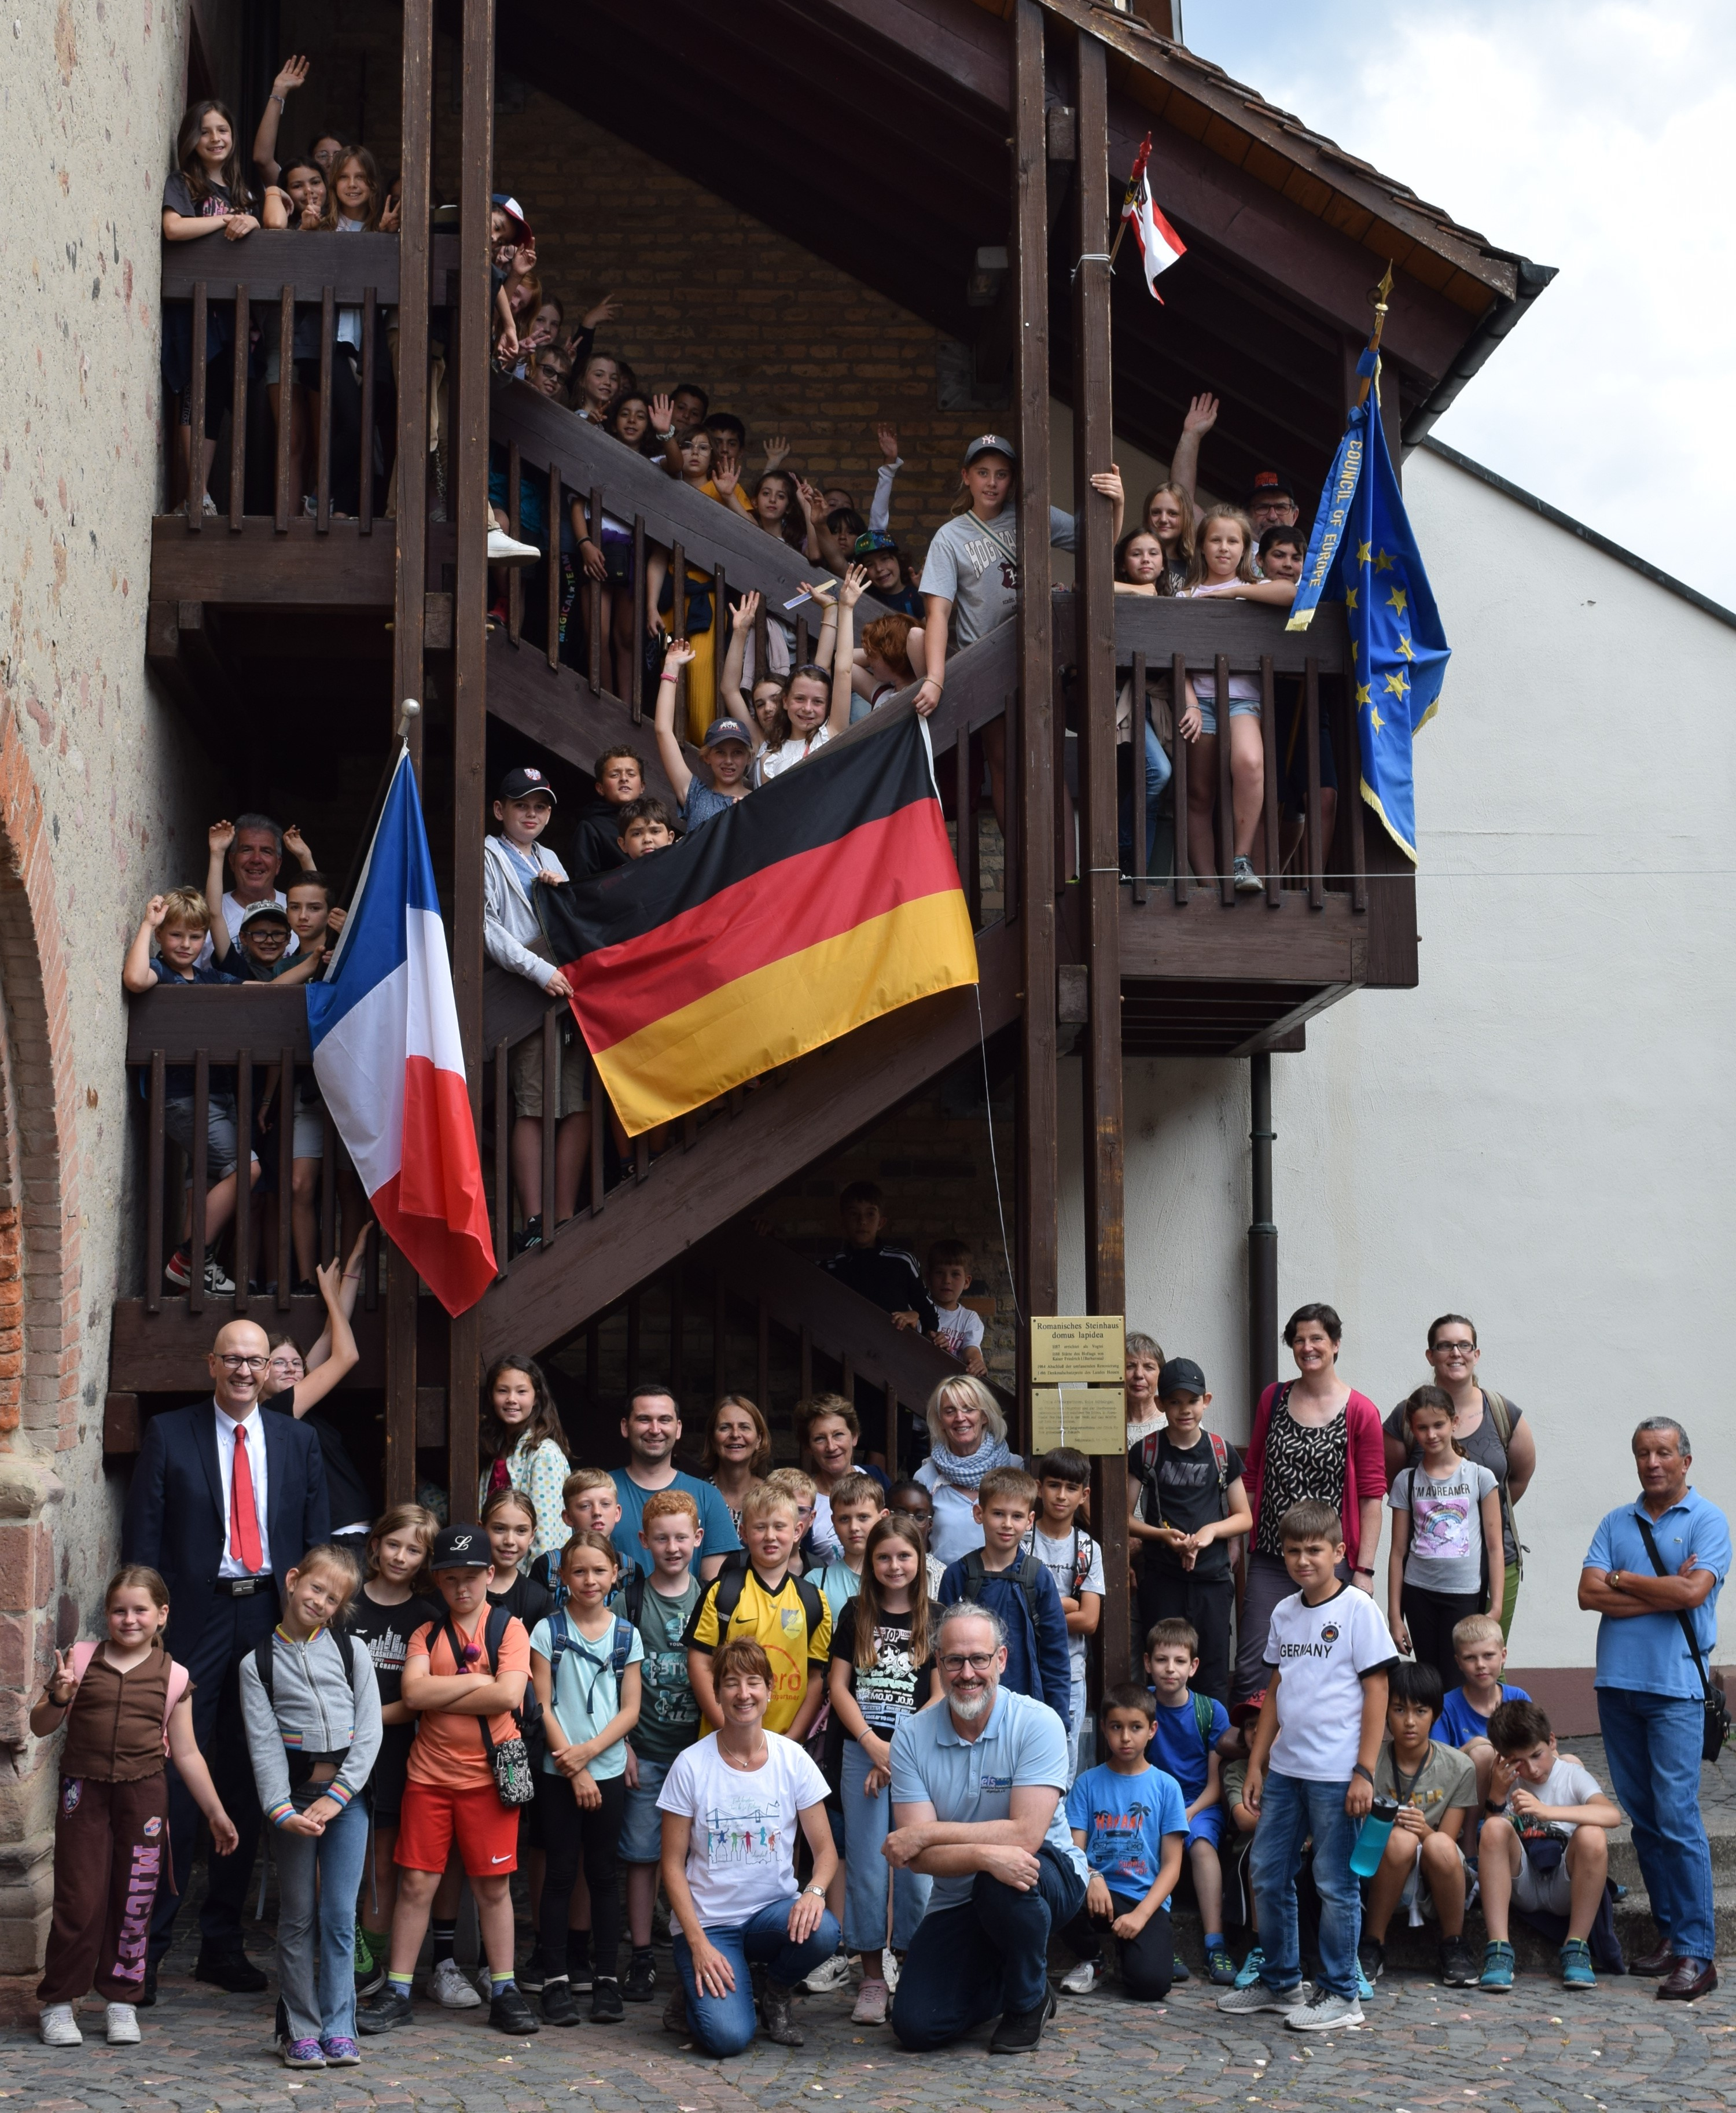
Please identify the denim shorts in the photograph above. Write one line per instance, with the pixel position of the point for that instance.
(642, 1825)
(1241, 708)
(309, 1140)
(220, 1132)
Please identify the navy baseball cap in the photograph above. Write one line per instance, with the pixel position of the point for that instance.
(1179, 1376)
(871, 542)
(514, 211)
(520, 784)
(722, 730)
(987, 443)
(461, 1548)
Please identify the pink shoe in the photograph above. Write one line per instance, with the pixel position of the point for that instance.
(870, 2004)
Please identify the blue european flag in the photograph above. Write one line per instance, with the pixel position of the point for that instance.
(1362, 545)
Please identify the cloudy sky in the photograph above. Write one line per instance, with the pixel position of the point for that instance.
(1592, 135)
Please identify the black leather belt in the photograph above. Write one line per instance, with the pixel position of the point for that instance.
(242, 1588)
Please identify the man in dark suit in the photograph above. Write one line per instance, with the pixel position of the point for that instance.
(224, 1501)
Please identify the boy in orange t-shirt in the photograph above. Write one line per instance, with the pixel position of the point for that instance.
(450, 1791)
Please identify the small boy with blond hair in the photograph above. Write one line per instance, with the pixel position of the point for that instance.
(589, 1501)
(765, 1604)
(1018, 1588)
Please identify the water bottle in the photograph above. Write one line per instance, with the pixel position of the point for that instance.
(1370, 1837)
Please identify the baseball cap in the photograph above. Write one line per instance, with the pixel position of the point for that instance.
(1246, 1711)
(871, 542)
(519, 784)
(722, 730)
(1268, 484)
(1179, 1376)
(990, 443)
(259, 913)
(514, 211)
(461, 1548)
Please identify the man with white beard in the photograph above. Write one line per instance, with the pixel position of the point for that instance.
(976, 1803)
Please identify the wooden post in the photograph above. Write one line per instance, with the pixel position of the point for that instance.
(408, 612)
(469, 653)
(1093, 449)
(1030, 739)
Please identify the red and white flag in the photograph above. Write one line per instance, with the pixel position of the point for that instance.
(1160, 246)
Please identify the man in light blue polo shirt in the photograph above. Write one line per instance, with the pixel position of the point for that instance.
(1653, 1572)
(976, 1804)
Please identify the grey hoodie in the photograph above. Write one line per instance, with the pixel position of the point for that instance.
(510, 926)
(327, 1702)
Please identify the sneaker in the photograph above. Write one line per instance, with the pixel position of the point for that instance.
(504, 550)
(529, 1236)
(580, 1973)
(1371, 1958)
(605, 2001)
(57, 2026)
(1220, 1968)
(1247, 881)
(341, 2053)
(558, 2005)
(1253, 1966)
(1179, 1968)
(1458, 1964)
(1257, 1996)
(1020, 2031)
(380, 2014)
(641, 1978)
(121, 2025)
(208, 507)
(833, 1975)
(449, 1986)
(871, 2000)
(892, 1968)
(508, 2012)
(1080, 1981)
(1576, 1966)
(530, 1977)
(1497, 1976)
(302, 2054)
(177, 1272)
(370, 1964)
(1364, 1986)
(1324, 2010)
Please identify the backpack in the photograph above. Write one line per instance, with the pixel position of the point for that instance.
(1083, 1549)
(1148, 1474)
(180, 1679)
(561, 1641)
(264, 1657)
(730, 1580)
(1028, 1578)
(1498, 1410)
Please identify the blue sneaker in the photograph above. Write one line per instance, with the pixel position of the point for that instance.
(1180, 1970)
(1364, 1986)
(1576, 1965)
(1497, 1968)
(1220, 1968)
(1253, 1966)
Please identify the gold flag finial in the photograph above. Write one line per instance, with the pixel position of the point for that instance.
(1380, 299)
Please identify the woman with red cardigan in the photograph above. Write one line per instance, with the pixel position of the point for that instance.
(1313, 1439)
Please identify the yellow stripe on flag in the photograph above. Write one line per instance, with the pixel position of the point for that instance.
(775, 1014)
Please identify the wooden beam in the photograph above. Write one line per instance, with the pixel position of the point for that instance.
(469, 658)
(1094, 647)
(258, 566)
(1037, 1162)
(1205, 943)
(273, 258)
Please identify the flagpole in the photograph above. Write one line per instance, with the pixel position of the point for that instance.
(1382, 300)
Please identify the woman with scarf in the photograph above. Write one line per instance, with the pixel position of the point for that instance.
(968, 1436)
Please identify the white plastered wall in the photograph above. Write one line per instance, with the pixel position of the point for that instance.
(1541, 1134)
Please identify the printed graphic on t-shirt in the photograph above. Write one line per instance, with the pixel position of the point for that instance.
(667, 1699)
(1117, 1842)
(887, 1690)
(1441, 1525)
(736, 1839)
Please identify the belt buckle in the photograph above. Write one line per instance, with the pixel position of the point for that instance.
(243, 1588)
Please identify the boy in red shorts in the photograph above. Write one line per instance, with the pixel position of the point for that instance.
(451, 1792)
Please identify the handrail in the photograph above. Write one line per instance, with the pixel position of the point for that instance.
(269, 259)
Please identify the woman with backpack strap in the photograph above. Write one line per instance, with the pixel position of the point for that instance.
(1314, 1439)
(1489, 1429)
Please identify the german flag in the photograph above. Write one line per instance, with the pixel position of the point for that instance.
(824, 900)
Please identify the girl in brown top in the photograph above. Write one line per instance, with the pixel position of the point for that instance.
(125, 1704)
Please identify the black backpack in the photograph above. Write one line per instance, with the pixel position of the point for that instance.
(730, 1580)
(264, 1654)
(1028, 1578)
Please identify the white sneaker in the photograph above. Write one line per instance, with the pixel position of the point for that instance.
(889, 1970)
(834, 1974)
(59, 2028)
(1257, 1996)
(1083, 1979)
(504, 550)
(449, 1987)
(121, 2023)
(1324, 2010)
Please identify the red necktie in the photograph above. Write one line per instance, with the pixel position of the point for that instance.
(244, 1519)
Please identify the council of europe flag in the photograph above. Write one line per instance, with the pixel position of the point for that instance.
(391, 1064)
(1362, 548)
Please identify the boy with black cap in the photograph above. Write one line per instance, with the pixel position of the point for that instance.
(465, 1677)
(728, 745)
(515, 863)
(1195, 1506)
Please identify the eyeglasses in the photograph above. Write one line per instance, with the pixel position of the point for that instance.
(232, 1362)
(1455, 1349)
(976, 1661)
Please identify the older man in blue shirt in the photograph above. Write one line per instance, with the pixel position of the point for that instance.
(1653, 1572)
(976, 1792)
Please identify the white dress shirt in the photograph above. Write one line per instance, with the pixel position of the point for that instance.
(252, 1433)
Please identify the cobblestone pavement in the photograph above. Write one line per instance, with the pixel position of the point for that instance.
(1423, 2047)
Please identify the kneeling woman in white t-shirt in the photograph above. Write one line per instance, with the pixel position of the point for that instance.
(731, 1805)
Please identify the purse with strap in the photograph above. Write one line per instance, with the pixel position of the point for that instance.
(1716, 1734)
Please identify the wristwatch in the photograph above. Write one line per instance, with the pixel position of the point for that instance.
(1490, 1805)
(818, 1891)
(1367, 1774)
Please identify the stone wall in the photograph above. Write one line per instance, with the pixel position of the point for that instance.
(99, 794)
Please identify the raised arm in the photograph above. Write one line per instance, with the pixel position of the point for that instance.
(290, 77)
(880, 507)
(1184, 467)
(218, 838)
(663, 425)
(348, 1291)
(137, 974)
(850, 592)
(343, 1357)
(678, 653)
(734, 699)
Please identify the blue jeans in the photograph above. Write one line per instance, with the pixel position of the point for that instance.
(725, 2024)
(867, 1822)
(1653, 1746)
(986, 1958)
(1290, 1810)
(1157, 772)
(317, 1880)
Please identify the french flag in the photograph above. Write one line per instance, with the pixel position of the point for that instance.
(1160, 246)
(389, 1062)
